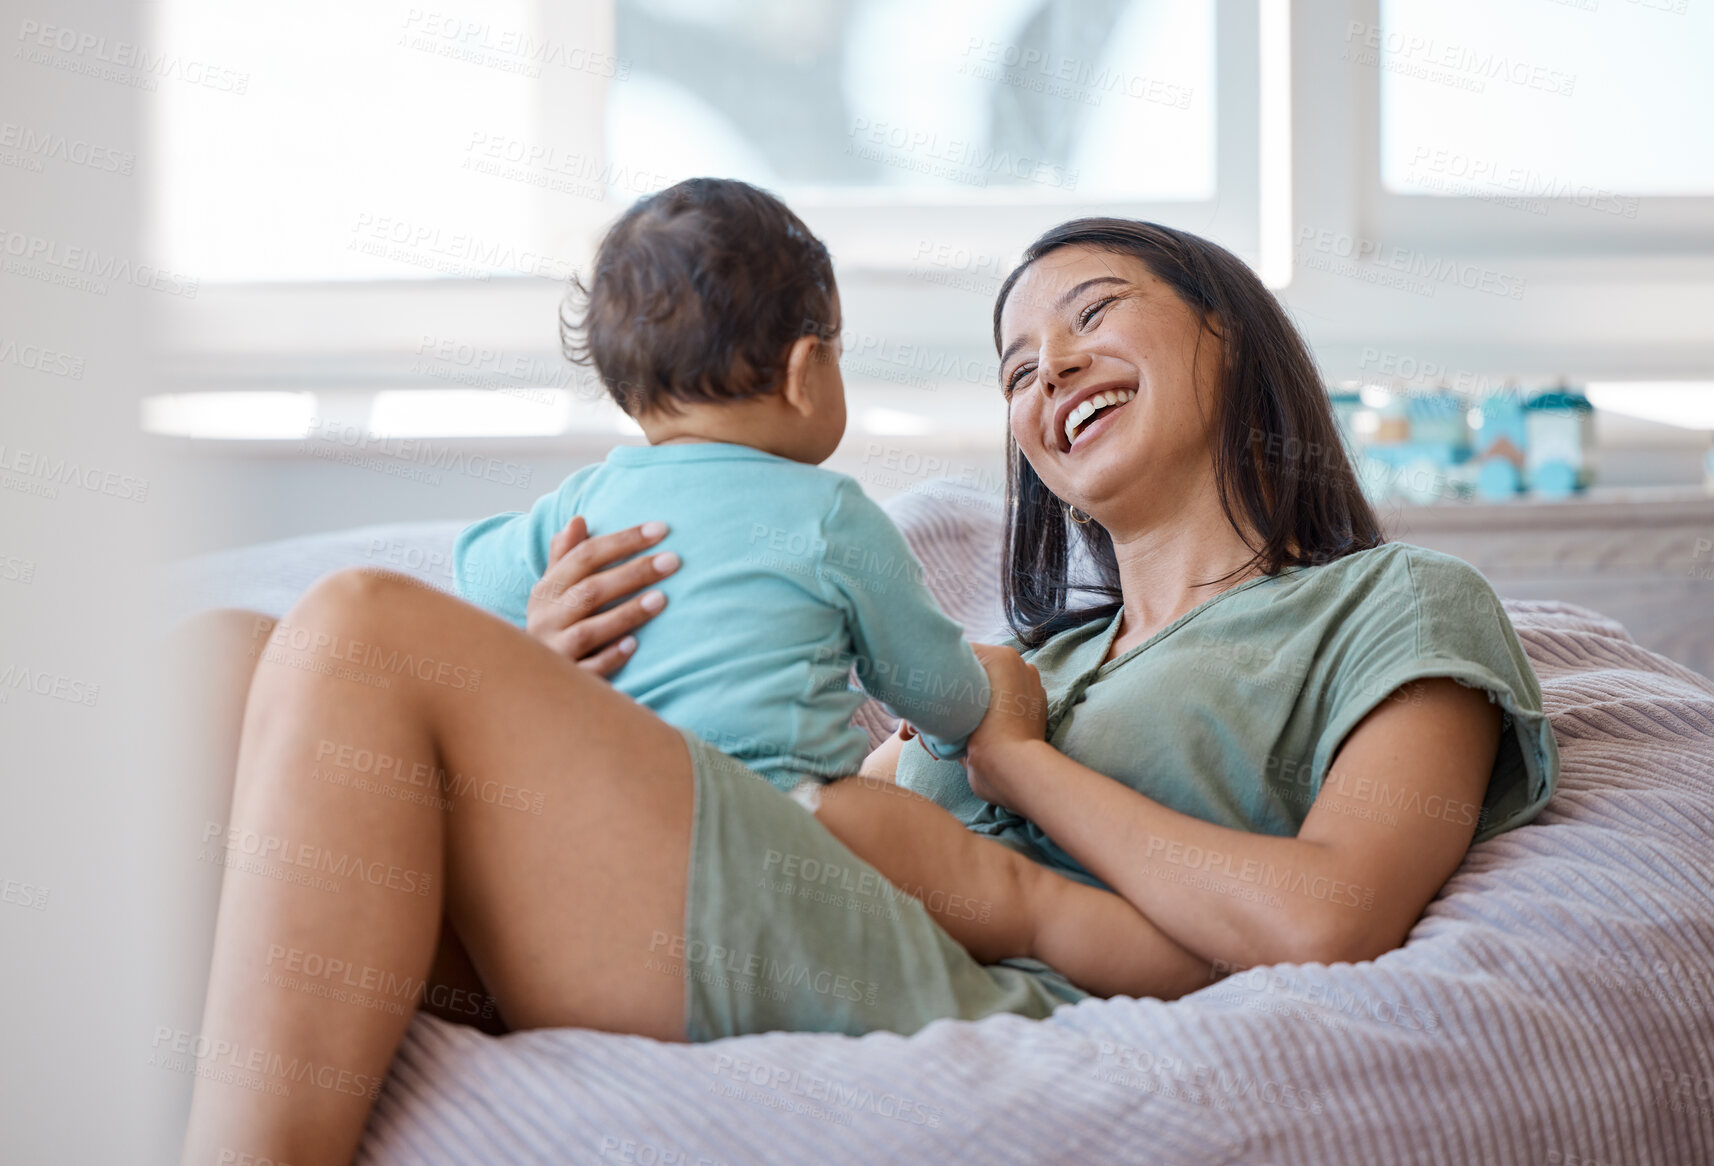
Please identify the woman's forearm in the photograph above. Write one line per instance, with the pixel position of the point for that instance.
(1226, 895)
(1349, 886)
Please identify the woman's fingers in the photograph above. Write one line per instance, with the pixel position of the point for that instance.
(569, 582)
(611, 658)
(591, 554)
(575, 532)
(588, 636)
(584, 556)
(580, 600)
(565, 605)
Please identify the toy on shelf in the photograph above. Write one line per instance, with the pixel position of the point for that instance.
(1347, 404)
(1410, 445)
(1428, 445)
(1501, 438)
(1440, 424)
(1560, 427)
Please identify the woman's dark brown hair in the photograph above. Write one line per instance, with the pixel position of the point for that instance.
(698, 292)
(1285, 483)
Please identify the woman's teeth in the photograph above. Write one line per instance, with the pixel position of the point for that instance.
(1090, 407)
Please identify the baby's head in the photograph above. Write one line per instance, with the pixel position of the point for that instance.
(711, 312)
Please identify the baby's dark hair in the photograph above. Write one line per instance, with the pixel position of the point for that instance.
(697, 294)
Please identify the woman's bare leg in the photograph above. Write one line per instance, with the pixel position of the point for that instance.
(215, 655)
(998, 904)
(405, 753)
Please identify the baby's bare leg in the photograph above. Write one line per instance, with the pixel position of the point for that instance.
(998, 904)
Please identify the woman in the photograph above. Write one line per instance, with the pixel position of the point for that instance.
(1275, 736)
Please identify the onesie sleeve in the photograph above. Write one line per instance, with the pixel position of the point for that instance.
(497, 560)
(1432, 615)
(909, 654)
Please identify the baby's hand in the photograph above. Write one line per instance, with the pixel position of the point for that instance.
(1017, 703)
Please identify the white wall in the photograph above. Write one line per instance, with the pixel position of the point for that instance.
(90, 815)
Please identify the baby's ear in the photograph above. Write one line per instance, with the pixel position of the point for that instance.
(800, 367)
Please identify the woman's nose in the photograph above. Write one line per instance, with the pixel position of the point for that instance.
(1061, 368)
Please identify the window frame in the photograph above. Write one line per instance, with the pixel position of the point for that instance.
(349, 335)
(1662, 225)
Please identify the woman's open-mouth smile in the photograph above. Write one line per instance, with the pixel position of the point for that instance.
(1090, 415)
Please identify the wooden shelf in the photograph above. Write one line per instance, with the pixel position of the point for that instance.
(1669, 506)
(1644, 556)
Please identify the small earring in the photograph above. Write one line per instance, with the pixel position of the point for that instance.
(1076, 515)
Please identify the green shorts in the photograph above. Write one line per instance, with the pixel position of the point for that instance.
(785, 928)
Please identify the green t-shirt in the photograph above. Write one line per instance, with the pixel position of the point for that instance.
(1233, 712)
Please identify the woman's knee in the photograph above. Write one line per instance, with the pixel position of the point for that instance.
(359, 588)
(353, 598)
(338, 630)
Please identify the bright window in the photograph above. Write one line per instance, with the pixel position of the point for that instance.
(896, 100)
(1589, 100)
(377, 140)
(355, 150)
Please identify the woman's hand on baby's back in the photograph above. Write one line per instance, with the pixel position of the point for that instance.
(1017, 714)
(565, 608)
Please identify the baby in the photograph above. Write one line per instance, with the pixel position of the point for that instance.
(713, 320)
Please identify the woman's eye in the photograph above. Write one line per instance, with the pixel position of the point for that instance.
(1088, 313)
(1017, 377)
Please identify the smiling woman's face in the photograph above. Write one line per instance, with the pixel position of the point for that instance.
(1109, 397)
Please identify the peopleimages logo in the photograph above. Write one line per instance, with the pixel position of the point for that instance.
(123, 62)
(15, 677)
(236, 841)
(46, 473)
(955, 159)
(1358, 256)
(711, 962)
(512, 50)
(192, 1052)
(1470, 173)
(408, 457)
(39, 359)
(814, 1087)
(1197, 1082)
(85, 268)
(455, 252)
(1460, 66)
(1061, 76)
(58, 147)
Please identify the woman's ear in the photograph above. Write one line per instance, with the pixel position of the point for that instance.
(800, 367)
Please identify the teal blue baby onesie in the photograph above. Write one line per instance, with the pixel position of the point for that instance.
(791, 577)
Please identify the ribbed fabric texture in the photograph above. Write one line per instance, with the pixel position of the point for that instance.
(1554, 1006)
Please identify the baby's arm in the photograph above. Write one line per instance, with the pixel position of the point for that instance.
(998, 904)
(909, 654)
(497, 560)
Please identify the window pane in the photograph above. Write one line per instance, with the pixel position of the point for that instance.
(1580, 99)
(954, 101)
(356, 146)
